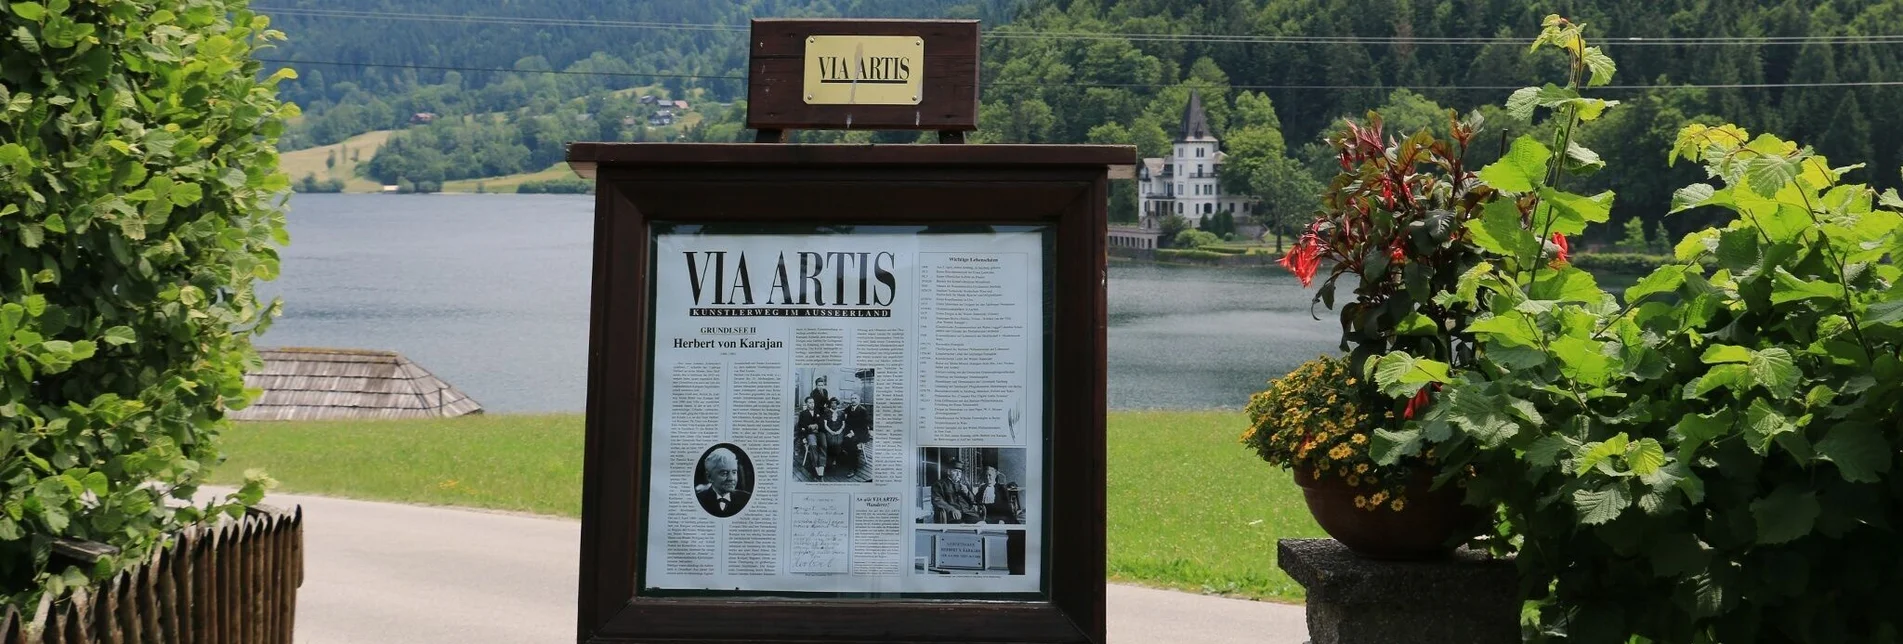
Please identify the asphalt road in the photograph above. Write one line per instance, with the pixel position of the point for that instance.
(377, 573)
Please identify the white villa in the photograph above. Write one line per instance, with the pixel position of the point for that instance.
(1184, 183)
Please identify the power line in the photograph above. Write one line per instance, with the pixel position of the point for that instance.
(458, 68)
(505, 20)
(1014, 34)
(1099, 85)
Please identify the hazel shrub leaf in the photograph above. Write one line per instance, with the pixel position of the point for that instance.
(1498, 231)
(1401, 374)
(1600, 65)
(1693, 430)
(1523, 169)
(1764, 423)
(1570, 213)
(1600, 453)
(1786, 514)
(1664, 279)
(1568, 284)
(1645, 456)
(1598, 506)
(1861, 454)
(1776, 370)
(1768, 174)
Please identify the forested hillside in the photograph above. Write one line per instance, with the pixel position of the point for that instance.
(1276, 74)
(1320, 60)
(375, 63)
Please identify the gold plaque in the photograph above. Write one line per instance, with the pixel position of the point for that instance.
(864, 70)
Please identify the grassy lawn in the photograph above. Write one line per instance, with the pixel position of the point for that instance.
(312, 161)
(506, 462)
(1189, 508)
(1192, 509)
(508, 183)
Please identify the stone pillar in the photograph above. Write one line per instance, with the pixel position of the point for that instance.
(1467, 598)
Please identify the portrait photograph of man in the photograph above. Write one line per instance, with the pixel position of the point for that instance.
(832, 425)
(724, 481)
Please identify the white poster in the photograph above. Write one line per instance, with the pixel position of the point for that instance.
(847, 413)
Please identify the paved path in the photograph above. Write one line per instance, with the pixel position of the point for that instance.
(380, 572)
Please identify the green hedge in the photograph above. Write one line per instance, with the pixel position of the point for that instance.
(567, 186)
(1189, 253)
(1632, 263)
(139, 198)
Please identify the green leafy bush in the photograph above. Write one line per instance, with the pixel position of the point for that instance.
(310, 183)
(138, 203)
(563, 186)
(1708, 460)
(1620, 263)
(1194, 238)
(1189, 254)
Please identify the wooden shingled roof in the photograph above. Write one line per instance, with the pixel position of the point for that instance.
(334, 384)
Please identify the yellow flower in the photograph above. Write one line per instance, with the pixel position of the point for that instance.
(1341, 452)
(1361, 502)
(1360, 439)
(1361, 468)
(1378, 497)
(1351, 381)
(1354, 480)
(1398, 504)
(1342, 473)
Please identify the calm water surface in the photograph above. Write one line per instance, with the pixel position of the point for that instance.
(490, 292)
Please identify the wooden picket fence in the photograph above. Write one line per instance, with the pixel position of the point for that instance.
(232, 583)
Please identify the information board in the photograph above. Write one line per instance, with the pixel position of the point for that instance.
(853, 413)
(845, 393)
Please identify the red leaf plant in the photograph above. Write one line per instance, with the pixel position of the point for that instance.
(1394, 219)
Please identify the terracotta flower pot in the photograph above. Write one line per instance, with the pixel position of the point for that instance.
(1429, 526)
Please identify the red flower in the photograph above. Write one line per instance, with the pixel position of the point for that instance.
(1304, 258)
(1417, 403)
(1559, 241)
(1397, 251)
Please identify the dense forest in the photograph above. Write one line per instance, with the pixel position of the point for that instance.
(378, 62)
(1277, 75)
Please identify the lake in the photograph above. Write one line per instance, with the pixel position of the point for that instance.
(490, 292)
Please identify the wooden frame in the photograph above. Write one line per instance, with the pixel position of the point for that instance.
(774, 101)
(1064, 187)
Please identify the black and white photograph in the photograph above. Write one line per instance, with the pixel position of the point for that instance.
(968, 551)
(832, 425)
(724, 480)
(969, 485)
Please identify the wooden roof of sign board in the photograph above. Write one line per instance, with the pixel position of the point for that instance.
(1119, 159)
(348, 384)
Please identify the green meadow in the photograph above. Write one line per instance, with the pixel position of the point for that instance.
(1189, 508)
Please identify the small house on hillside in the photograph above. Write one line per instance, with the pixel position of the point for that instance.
(339, 384)
(680, 105)
(423, 118)
(647, 99)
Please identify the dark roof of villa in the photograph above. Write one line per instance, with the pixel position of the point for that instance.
(1195, 122)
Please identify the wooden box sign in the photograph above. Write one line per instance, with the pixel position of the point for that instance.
(845, 393)
(863, 75)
